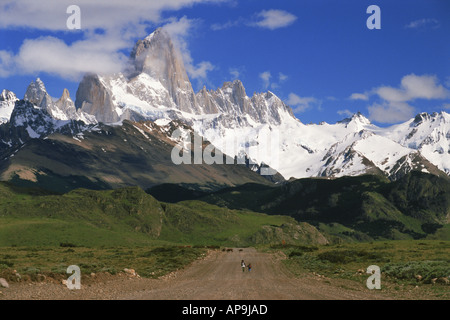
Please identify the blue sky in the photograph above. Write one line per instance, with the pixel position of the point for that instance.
(317, 56)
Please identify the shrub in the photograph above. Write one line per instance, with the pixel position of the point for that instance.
(295, 253)
(346, 256)
(67, 245)
(426, 269)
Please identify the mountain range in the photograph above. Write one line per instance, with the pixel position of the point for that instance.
(118, 132)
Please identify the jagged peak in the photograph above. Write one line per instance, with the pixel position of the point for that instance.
(234, 83)
(233, 87)
(159, 38)
(65, 95)
(36, 92)
(158, 33)
(425, 116)
(38, 83)
(420, 117)
(7, 95)
(357, 117)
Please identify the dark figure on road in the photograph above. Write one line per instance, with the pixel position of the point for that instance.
(249, 266)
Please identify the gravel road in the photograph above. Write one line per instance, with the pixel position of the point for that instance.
(218, 276)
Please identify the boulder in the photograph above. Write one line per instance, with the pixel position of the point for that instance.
(4, 283)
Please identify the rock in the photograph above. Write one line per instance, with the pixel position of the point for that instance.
(418, 277)
(95, 99)
(131, 272)
(64, 282)
(443, 280)
(4, 283)
(433, 281)
(92, 274)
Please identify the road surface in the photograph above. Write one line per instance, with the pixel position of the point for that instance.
(218, 276)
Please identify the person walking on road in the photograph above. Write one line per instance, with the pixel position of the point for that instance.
(243, 265)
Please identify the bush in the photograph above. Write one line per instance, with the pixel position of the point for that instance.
(7, 263)
(346, 256)
(426, 269)
(335, 256)
(67, 245)
(295, 253)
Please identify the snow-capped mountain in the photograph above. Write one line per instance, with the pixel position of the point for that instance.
(263, 128)
(37, 116)
(7, 101)
(156, 85)
(429, 134)
(62, 109)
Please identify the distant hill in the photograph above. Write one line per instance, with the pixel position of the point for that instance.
(352, 208)
(129, 216)
(110, 156)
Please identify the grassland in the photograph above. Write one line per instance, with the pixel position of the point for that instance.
(405, 264)
(41, 234)
(40, 263)
(362, 208)
(130, 217)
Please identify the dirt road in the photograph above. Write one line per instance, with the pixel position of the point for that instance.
(216, 277)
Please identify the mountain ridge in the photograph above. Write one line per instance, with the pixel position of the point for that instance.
(262, 128)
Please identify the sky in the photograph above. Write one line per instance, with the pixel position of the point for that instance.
(321, 57)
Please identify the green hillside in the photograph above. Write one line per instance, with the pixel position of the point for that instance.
(129, 216)
(362, 208)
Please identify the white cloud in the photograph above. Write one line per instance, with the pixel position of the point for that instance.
(180, 30)
(282, 77)
(6, 63)
(268, 19)
(265, 77)
(52, 55)
(274, 19)
(227, 25)
(67, 61)
(346, 113)
(359, 96)
(98, 14)
(414, 87)
(395, 102)
(108, 26)
(301, 104)
(236, 72)
(391, 112)
(423, 23)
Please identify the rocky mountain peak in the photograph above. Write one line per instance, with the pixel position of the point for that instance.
(421, 117)
(7, 95)
(65, 95)
(235, 86)
(7, 102)
(426, 117)
(36, 92)
(157, 56)
(358, 121)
